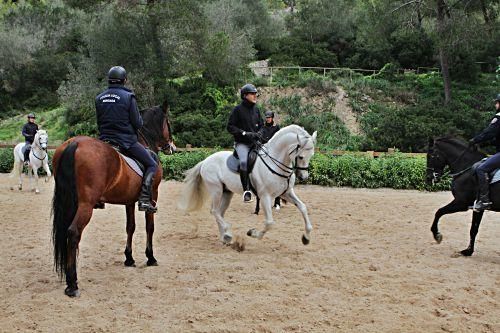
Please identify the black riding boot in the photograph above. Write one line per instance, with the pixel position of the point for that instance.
(145, 203)
(484, 192)
(247, 195)
(27, 156)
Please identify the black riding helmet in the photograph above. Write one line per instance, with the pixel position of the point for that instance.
(117, 74)
(246, 89)
(31, 115)
(269, 114)
(498, 98)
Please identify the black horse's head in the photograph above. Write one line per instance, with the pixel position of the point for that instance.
(436, 162)
(451, 152)
(156, 131)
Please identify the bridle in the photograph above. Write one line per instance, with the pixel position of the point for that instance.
(436, 175)
(40, 144)
(285, 171)
(166, 145)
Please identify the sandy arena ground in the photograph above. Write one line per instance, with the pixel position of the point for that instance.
(372, 266)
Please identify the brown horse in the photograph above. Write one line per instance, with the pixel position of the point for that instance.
(89, 173)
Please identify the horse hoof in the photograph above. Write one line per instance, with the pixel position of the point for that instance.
(305, 241)
(438, 237)
(12, 188)
(466, 252)
(130, 263)
(277, 207)
(227, 238)
(152, 262)
(37, 192)
(72, 292)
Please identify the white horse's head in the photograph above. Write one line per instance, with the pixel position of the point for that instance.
(41, 139)
(298, 145)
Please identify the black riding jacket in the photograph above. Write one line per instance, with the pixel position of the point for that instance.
(268, 130)
(29, 131)
(118, 118)
(491, 132)
(245, 117)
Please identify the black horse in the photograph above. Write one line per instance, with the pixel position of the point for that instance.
(459, 157)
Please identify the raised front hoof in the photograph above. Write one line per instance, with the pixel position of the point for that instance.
(256, 212)
(305, 240)
(130, 263)
(467, 252)
(438, 237)
(37, 191)
(152, 262)
(71, 292)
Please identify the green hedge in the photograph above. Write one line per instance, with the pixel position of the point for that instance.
(7, 161)
(394, 171)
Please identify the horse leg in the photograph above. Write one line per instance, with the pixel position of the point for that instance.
(452, 207)
(268, 215)
(220, 202)
(81, 219)
(257, 206)
(291, 196)
(20, 170)
(130, 210)
(476, 220)
(47, 170)
(35, 174)
(150, 228)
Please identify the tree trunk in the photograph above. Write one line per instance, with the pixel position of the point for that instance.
(443, 54)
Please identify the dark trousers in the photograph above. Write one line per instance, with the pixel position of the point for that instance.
(490, 164)
(140, 153)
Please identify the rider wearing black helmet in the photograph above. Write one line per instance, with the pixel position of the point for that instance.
(492, 163)
(244, 124)
(118, 121)
(29, 131)
(269, 128)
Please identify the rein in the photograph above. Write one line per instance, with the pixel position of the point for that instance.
(283, 167)
(33, 151)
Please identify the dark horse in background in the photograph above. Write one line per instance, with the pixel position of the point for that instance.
(459, 157)
(88, 173)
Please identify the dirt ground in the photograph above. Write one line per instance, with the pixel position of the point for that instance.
(372, 266)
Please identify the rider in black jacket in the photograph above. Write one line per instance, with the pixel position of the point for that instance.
(244, 124)
(492, 163)
(29, 131)
(118, 120)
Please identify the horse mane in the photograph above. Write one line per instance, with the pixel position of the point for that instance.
(455, 141)
(290, 129)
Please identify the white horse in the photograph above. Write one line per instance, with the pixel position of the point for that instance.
(283, 158)
(38, 157)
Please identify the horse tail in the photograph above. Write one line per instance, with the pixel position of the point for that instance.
(194, 192)
(17, 164)
(64, 206)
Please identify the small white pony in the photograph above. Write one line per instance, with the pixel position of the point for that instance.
(38, 158)
(283, 158)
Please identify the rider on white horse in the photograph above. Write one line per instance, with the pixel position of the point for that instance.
(29, 131)
(244, 123)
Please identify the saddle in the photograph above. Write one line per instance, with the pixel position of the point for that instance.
(233, 161)
(134, 164)
(494, 175)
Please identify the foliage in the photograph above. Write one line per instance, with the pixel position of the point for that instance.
(7, 161)
(174, 166)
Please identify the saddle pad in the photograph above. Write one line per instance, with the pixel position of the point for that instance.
(496, 176)
(132, 164)
(233, 163)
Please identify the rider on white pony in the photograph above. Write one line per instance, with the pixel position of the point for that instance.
(29, 131)
(244, 123)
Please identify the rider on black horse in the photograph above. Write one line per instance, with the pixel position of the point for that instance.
(118, 120)
(29, 131)
(244, 124)
(492, 163)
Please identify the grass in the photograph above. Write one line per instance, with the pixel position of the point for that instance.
(50, 120)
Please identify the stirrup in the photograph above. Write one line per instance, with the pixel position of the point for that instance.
(480, 206)
(247, 194)
(147, 207)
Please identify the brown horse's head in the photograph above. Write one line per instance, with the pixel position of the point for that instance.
(156, 133)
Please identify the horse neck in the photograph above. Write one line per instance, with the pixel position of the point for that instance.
(282, 147)
(460, 158)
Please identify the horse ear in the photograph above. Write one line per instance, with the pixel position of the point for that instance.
(315, 134)
(165, 106)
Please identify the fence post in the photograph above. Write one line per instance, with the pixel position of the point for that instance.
(370, 154)
(271, 78)
(188, 146)
(391, 150)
